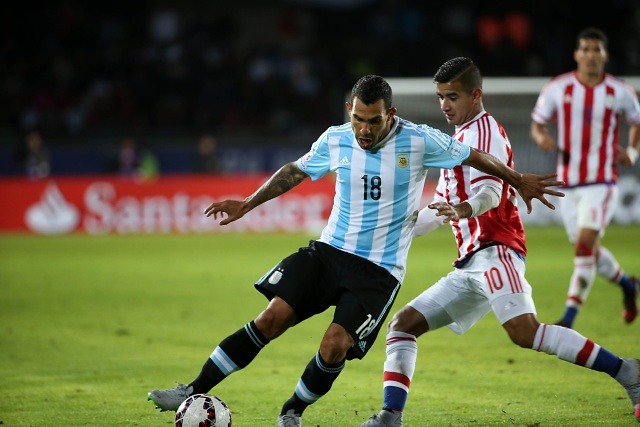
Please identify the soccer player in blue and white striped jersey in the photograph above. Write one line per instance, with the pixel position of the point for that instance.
(380, 163)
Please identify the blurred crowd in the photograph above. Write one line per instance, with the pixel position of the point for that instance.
(77, 70)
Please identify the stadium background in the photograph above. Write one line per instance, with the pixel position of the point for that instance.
(266, 78)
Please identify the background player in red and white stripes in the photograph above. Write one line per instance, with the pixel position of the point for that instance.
(489, 270)
(587, 105)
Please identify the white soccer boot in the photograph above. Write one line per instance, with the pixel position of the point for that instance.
(384, 419)
(629, 378)
(170, 399)
(290, 419)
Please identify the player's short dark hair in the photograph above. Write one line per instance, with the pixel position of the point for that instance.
(371, 88)
(592, 33)
(461, 69)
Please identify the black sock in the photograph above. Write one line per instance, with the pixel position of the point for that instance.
(232, 354)
(315, 382)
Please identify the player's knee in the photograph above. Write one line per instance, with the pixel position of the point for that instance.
(270, 325)
(520, 340)
(396, 323)
(335, 344)
(408, 320)
(522, 330)
(274, 321)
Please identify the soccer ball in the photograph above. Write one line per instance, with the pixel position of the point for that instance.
(202, 410)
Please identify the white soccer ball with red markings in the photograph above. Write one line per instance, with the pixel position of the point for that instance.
(203, 410)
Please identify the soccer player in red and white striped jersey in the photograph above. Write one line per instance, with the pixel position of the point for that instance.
(489, 270)
(587, 105)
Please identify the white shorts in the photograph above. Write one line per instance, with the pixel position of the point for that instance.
(589, 207)
(493, 279)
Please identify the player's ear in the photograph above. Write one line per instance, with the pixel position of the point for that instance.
(477, 94)
(348, 106)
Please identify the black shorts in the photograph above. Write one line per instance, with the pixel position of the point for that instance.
(320, 276)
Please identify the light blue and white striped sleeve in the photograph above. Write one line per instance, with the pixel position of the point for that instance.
(317, 161)
(442, 150)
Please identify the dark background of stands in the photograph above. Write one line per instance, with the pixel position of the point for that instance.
(265, 77)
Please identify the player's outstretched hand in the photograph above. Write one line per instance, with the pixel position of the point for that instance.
(445, 210)
(233, 209)
(535, 186)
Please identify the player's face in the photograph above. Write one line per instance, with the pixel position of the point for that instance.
(370, 123)
(458, 105)
(591, 57)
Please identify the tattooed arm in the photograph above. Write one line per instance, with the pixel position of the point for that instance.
(287, 177)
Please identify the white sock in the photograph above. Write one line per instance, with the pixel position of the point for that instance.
(565, 343)
(402, 351)
(607, 265)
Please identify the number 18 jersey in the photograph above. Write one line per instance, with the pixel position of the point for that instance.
(378, 193)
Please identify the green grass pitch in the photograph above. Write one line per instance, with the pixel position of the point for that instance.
(88, 325)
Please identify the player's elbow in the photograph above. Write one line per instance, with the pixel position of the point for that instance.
(487, 198)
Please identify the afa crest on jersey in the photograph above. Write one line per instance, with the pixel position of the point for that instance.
(403, 160)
